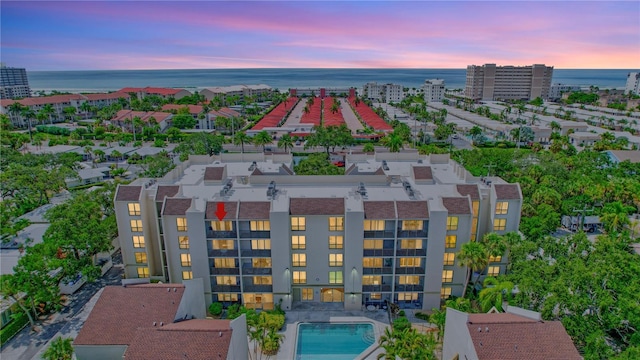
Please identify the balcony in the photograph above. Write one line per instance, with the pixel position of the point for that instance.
(249, 270)
(412, 233)
(410, 270)
(258, 288)
(377, 271)
(255, 253)
(378, 252)
(223, 253)
(225, 271)
(380, 234)
(247, 234)
(211, 234)
(413, 288)
(225, 288)
(376, 288)
(411, 252)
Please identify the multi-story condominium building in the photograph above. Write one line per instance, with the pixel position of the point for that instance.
(165, 93)
(433, 90)
(633, 84)
(14, 83)
(557, 90)
(258, 92)
(388, 230)
(384, 93)
(490, 82)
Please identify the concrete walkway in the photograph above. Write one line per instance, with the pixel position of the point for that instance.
(350, 117)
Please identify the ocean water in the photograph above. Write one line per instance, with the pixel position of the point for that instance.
(283, 79)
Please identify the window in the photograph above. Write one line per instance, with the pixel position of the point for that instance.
(412, 224)
(224, 263)
(502, 207)
(410, 262)
(474, 228)
(372, 262)
(375, 296)
(136, 225)
(187, 275)
(336, 242)
(447, 276)
(260, 225)
(262, 280)
(449, 258)
(475, 205)
(227, 297)
(261, 262)
(138, 241)
(409, 280)
(298, 223)
(499, 224)
(183, 241)
(223, 244)
(335, 277)
(493, 271)
(336, 223)
(373, 225)
(299, 277)
(261, 244)
(407, 296)
(495, 258)
(226, 280)
(185, 259)
(445, 293)
(450, 241)
(221, 225)
(134, 209)
(452, 223)
(373, 244)
(335, 259)
(181, 223)
(307, 294)
(141, 257)
(299, 259)
(143, 272)
(371, 280)
(298, 242)
(411, 244)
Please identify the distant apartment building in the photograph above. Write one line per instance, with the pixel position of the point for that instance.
(383, 93)
(557, 90)
(388, 230)
(490, 82)
(433, 90)
(165, 93)
(14, 83)
(633, 84)
(259, 92)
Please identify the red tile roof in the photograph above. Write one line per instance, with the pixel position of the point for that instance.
(151, 90)
(193, 109)
(330, 118)
(497, 318)
(315, 112)
(275, 116)
(369, 116)
(316, 206)
(230, 207)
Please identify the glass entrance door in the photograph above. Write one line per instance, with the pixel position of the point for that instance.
(333, 295)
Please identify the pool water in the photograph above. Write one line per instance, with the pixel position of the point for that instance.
(335, 341)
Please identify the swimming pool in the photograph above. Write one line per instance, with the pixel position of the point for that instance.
(335, 341)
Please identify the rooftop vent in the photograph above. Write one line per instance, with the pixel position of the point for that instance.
(362, 190)
(253, 166)
(227, 186)
(384, 165)
(271, 190)
(407, 187)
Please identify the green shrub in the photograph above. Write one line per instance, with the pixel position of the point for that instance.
(401, 313)
(422, 316)
(215, 308)
(20, 320)
(401, 324)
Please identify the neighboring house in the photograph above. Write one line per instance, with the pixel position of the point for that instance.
(583, 138)
(618, 156)
(514, 335)
(158, 321)
(123, 118)
(88, 176)
(165, 93)
(260, 92)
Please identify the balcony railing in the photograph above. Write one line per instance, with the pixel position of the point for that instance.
(411, 252)
(409, 287)
(255, 253)
(388, 234)
(412, 233)
(225, 271)
(211, 234)
(223, 253)
(376, 271)
(378, 252)
(258, 288)
(376, 288)
(225, 288)
(255, 234)
(249, 270)
(410, 270)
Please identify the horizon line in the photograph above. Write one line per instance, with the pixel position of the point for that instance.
(320, 68)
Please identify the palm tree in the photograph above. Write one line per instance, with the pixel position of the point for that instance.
(28, 114)
(615, 216)
(15, 109)
(262, 139)
(475, 132)
(241, 138)
(555, 126)
(49, 110)
(473, 256)
(285, 142)
(493, 293)
(86, 109)
(60, 349)
(393, 141)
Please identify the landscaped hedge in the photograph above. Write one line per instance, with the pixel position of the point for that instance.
(11, 329)
(53, 130)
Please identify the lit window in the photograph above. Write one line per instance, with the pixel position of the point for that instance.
(224, 263)
(452, 223)
(474, 227)
(136, 225)
(372, 244)
(408, 280)
(499, 224)
(138, 241)
(261, 262)
(141, 257)
(412, 224)
(410, 262)
(335, 259)
(260, 225)
(134, 209)
(221, 225)
(187, 275)
(185, 259)
(298, 242)
(371, 280)
(335, 277)
(227, 297)
(226, 280)
(261, 244)
(493, 271)
(298, 223)
(372, 262)
(475, 205)
(447, 276)
(299, 259)
(223, 244)
(143, 272)
(262, 280)
(336, 242)
(183, 241)
(407, 296)
(181, 223)
(336, 223)
(299, 277)
(373, 225)
(307, 294)
(502, 207)
(450, 241)
(445, 293)
(411, 244)
(375, 296)
(449, 258)
(495, 258)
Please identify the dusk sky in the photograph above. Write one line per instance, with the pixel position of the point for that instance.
(87, 35)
